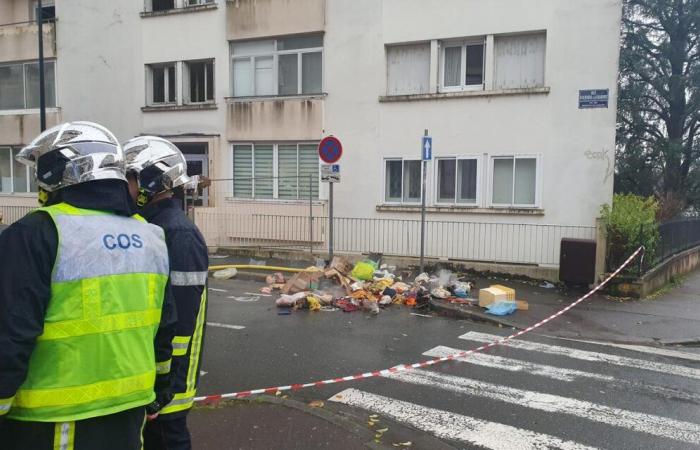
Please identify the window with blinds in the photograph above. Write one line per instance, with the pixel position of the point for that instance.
(276, 171)
(519, 61)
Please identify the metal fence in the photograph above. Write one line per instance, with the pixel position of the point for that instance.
(474, 241)
(676, 236)
(12, 214)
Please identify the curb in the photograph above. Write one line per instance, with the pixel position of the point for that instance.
(343, 421)
(689, 342)
(449, 310)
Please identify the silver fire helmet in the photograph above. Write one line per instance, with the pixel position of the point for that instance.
(158, 164)
(74, 153)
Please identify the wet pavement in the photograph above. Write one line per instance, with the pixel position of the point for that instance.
(460, 403)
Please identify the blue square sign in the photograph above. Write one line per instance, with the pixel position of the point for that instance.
(427, 148)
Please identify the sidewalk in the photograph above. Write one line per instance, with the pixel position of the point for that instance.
(671, 318)
(266, 422)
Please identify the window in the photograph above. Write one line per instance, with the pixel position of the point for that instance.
(514, 181)
(402, 180)
(199, 87)
(162, 5)
(163, 84)
(288, 66)
(19, 85)
(457, 180)
(408, 69)
(15, 177)
(198, 2)
(519, 61)
(275, 171)
(463, 65)
(48, 10)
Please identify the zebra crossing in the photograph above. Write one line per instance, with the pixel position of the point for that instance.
(541, 393)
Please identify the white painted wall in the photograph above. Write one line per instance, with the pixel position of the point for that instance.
(581, 54)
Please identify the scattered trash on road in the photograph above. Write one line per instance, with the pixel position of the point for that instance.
(225, 274)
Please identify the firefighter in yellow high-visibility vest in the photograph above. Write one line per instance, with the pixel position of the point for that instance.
(85, 335)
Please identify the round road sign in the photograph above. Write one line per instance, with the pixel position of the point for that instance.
(330, 150)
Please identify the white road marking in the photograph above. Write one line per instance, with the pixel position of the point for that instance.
(225, 325)
(259, 294)
(218, 290)
(245, 299)
(645, 349)
(202, 373)
(456, 427)
(421, 315)
(514, 365)
(562, 374)
(585, 355)
(631, 420)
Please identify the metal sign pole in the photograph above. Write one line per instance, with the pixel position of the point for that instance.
(424, 168)
(311, 215)
(330, 222)
(42, 88)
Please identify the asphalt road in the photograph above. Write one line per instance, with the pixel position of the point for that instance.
(539, 393)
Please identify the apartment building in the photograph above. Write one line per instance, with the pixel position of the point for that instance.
(247, 88)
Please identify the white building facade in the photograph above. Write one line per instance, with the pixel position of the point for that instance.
(247, 88)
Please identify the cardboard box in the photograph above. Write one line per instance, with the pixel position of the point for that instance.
(522, 305)
(490, 295)
(509, 292)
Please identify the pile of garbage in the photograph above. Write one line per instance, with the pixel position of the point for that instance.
(365, 286)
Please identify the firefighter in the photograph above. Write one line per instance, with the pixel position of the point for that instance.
(157, 174)
(85, 332)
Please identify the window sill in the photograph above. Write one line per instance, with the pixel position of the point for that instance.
(183, 10)
(24, 112)
(277, 201)
(462, 210)
(19, 194)
(192, 107)
(263, 98)
(462, 94)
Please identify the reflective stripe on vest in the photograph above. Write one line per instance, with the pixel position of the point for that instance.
(184, 400)
(64, 436)
(96, 355)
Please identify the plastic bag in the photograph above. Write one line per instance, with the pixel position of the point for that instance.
(501, 308)
(363, 270)
(290, 300)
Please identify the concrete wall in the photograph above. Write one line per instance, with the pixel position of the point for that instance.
(99, 52)
(14, 11)
(19, 42)
(275, 120)
(249, 19)
(576, 146)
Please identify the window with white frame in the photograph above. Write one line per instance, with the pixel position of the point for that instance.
(519, 61)
(402, 180)
(15, 177)
(457, 180)
(463, 64)
(408, 69)
(276, 171)
(19, 85)
(163, 83)
(514, 181)
(284, 66)
(199, 83)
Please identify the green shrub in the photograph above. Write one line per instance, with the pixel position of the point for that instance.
(630, 223)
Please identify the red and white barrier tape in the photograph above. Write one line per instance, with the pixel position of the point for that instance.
(430, 362)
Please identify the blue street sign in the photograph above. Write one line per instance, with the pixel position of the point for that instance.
(335, 168)
(593, 98)
(427, 148)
